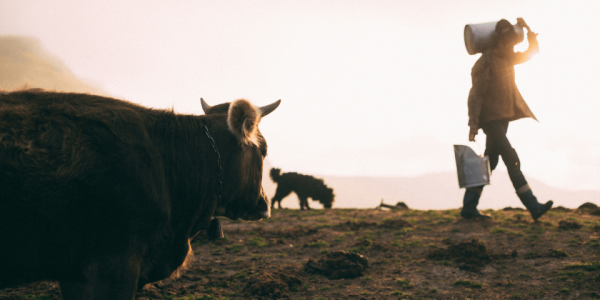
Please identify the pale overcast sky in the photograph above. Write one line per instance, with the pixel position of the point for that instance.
(375, 88)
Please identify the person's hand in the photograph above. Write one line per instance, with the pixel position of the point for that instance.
(521, 22)
(472, 134)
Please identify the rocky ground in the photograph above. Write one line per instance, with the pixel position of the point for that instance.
(387, 254)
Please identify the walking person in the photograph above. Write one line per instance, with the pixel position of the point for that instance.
(494, 101)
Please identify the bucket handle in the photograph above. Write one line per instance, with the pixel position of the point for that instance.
(478, 148)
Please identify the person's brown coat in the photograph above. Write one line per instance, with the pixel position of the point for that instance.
(494, 94)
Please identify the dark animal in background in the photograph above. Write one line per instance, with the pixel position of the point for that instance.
(104, 195)
(305, 186)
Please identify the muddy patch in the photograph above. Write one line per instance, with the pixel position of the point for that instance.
(566, 225)
(396, 223)
(272, 285)
(355, 226)
(339, 264)
(551, 253)
(470, 256)
(295, 233)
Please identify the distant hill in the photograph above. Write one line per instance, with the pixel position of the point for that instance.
(23, 62)
(431, 191)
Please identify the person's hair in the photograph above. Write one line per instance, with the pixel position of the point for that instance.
(504, 30)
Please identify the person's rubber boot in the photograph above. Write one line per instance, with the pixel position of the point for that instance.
(470, 201)
(535, 208)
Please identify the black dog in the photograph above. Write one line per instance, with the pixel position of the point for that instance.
(304, 186)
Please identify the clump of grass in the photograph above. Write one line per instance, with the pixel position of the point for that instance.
(403, 231)
(414, 243)
(424, 228)
(593, 242)
(590, 266)
(258, 242)
(319, 244)
(367, 235)
(443, 262)
(235, 248)
(404, 283)
(564, 275)
(443, 220)
(339, 238)
(315, 212)
(241, 274)
(397, 243)
(411, 212)
(326, 225)
(559, 253)
(469, 283)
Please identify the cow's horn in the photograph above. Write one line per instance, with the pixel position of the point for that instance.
(205, 106)
(267, 109)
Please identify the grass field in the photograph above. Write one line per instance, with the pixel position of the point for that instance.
(411, 254)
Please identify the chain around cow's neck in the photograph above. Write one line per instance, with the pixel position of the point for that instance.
(215, 223)
(214, 145)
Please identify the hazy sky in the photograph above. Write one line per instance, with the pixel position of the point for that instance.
(374, 88)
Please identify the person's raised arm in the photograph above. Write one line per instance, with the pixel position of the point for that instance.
(534, 48)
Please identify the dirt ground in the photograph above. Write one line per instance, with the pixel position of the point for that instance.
(404, 254)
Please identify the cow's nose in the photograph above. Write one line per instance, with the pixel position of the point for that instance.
(262, 208)
(265, 214)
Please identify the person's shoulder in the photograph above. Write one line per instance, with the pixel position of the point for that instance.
(481, 62)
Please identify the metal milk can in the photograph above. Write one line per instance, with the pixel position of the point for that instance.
(479, 37)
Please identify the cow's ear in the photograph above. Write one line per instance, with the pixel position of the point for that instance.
(243, 119)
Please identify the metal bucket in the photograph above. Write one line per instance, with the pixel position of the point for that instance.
(472, 170)
(479, 37)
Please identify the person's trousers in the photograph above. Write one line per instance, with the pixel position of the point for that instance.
(497, 145)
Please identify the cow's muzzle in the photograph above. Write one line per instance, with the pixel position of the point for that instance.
(262, 210)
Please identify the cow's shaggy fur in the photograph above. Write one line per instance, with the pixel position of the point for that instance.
(104, 195)
(305, 186)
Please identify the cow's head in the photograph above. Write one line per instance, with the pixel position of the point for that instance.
(242, 152)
